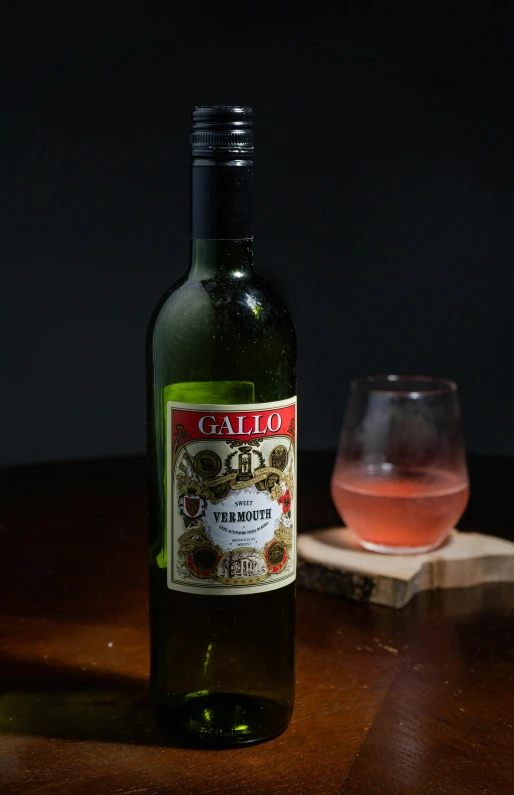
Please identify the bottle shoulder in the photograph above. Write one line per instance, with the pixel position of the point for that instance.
(162, 303)
(223, 304)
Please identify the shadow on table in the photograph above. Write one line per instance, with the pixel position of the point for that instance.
(63, 702)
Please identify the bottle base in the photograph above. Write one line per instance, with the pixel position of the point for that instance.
(220, 720)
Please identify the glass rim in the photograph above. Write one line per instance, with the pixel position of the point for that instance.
(428, 385)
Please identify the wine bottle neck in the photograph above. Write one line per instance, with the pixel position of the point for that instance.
(221, 198)
(210, 258)
(221, 217)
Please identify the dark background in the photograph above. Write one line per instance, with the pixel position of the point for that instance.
(384, 206)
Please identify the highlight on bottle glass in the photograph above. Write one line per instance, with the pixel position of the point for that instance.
(400, 480)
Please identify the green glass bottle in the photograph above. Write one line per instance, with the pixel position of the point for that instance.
(221, 364)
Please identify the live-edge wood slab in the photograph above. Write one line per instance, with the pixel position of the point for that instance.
(333, 562)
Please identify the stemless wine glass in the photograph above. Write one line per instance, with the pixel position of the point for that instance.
(400, 481)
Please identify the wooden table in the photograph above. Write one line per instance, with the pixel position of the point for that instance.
(413, 701)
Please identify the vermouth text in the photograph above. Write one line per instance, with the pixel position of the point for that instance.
(242, 516)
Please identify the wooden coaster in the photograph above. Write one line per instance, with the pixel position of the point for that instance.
(332, 561)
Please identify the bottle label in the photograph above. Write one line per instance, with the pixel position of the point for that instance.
(231, 497)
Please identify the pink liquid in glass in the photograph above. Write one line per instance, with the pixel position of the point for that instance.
(396, 509)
